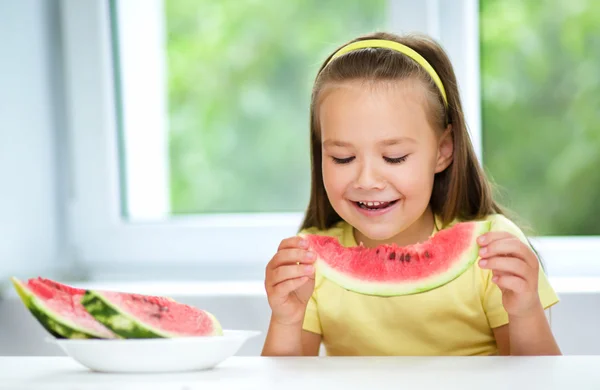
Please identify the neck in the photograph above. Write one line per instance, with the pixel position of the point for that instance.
(418, 231)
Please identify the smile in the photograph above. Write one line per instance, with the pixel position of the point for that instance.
(375, 208)
(375, 205)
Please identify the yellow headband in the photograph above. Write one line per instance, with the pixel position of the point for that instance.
(382, 43)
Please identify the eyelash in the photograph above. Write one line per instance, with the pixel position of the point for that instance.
(342, 160)
(396, 160)
(389, 160)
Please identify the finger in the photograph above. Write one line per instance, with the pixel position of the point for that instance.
(291, 256)
(509, 246)
(284, 288)
(287, 272)
(490, 237)
(293, 242)
(499, 273)
(509, 282)
(506, 265)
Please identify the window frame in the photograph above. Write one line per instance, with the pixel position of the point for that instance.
(102, 239)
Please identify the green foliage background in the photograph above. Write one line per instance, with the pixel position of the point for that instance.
(541, 110)
(240, 75)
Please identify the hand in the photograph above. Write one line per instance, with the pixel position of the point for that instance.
(290, 281)
(515, 270)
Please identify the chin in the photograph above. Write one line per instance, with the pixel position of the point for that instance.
(379, 233)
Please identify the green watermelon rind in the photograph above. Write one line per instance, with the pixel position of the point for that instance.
(384, 289)
(124, 324)
(56, 325)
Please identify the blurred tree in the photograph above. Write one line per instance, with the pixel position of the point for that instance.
(541, 110)
(240, 74)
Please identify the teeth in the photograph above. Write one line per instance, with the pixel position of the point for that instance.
(372, 204)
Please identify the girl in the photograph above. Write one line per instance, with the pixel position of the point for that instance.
(392, 162)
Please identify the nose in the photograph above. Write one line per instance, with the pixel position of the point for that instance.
(368, 178)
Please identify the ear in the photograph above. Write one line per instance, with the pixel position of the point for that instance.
(445, 150)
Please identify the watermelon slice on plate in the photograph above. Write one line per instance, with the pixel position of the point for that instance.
(392, 270)
(113, 331)
(144, 316)
(57, 307)
(73, 313)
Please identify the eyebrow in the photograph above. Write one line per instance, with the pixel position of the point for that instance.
(395, 141)
(332, 142)
(387, 142)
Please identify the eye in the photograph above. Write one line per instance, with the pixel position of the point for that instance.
(342, 160)
(395, 160)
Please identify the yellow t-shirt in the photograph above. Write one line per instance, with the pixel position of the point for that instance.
(455, 319)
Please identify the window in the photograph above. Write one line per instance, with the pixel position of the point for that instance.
(183, 114)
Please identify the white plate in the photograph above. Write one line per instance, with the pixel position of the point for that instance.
(155, 355)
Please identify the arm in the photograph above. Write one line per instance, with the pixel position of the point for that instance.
(290, 283)
(515, 270)
(290, 340)
(527, 336)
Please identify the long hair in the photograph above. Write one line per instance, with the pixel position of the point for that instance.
(461, 190)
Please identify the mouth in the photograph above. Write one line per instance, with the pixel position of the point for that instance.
(375, 205)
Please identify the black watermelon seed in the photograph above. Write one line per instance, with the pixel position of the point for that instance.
(402, 257)
(407, 257)
(427, 254)
(156, 315)
(164, 308)
(392, 255)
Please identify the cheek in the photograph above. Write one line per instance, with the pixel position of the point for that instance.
(334, 180)
(414, 180)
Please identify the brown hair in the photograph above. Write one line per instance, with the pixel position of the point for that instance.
(461, 190)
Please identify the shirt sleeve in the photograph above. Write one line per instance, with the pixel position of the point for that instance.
(492, 296)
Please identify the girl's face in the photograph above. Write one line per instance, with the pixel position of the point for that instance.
(380, 155)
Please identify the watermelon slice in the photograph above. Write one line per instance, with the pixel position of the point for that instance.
(144, 316)
(58, 309)
(390, 270)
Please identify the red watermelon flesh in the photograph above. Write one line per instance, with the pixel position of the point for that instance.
(58, 308)
(389, 270)
(144, 316)
(60, 287)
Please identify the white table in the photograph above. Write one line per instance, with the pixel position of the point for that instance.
(372, 373)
